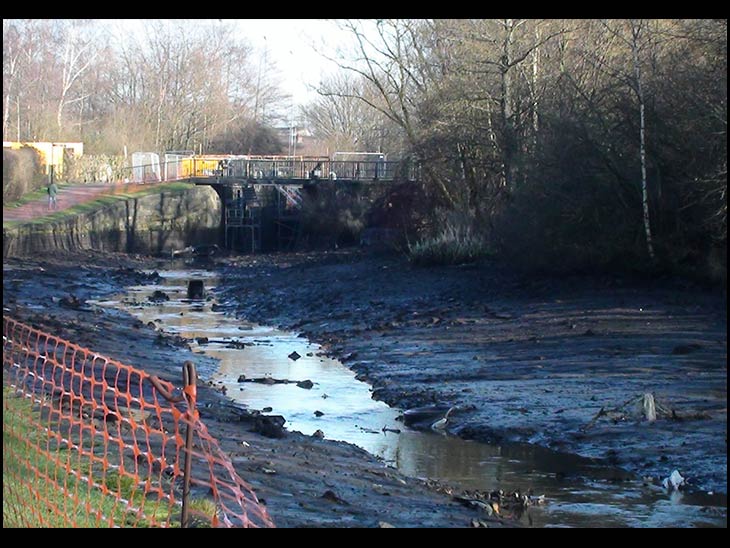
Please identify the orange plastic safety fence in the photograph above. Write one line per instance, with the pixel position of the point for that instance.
(91, 442)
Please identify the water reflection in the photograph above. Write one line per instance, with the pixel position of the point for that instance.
(579, 493)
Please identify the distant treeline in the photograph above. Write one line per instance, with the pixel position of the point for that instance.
(559, 144)
(564, 144)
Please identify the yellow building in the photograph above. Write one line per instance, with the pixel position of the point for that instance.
(52, 154)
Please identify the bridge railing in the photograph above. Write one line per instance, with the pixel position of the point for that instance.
(274, 169)
(315, 169)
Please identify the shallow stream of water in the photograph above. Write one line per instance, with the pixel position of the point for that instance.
(578, 493)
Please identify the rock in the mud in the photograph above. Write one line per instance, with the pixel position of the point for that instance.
(424, 415)
(294, 356)
(318, 413)
(158, 296)
(305, 384)
(72, 302)
(202, 340)
(334, 497)
(686, 348)
(271, 426)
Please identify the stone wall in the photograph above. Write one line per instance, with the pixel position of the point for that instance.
(153, 224)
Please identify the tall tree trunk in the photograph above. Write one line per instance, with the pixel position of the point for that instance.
(59, 113)
(506, 105)
(535, 73)
(6, 115)
(635, 31)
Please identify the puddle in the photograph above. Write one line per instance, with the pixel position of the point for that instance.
(578, 493)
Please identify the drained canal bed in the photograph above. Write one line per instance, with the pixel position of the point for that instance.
(280, 373)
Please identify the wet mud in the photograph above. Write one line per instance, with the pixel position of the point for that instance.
(556, 363)
(559, 362)
(305, 481)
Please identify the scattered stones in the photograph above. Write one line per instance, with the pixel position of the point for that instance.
(318, 434)
(318, 413)
(294, 356)
(307, 384)
(237, 344)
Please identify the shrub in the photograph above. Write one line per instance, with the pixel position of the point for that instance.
(22, 173)
(454, 244)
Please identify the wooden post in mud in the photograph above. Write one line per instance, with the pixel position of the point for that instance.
(195, 289)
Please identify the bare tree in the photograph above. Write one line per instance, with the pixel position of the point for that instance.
(81, 46)
(390, 57)
(12, 50)
(631, 34)
(342, 121)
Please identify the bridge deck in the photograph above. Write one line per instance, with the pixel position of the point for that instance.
(212, 170)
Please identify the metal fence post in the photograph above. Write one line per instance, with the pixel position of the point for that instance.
(190, 383)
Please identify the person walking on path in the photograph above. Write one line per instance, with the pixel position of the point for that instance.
(52, 192)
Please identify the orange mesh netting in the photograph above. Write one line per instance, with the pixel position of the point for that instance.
(90, 442)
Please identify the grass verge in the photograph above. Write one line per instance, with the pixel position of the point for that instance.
(69, 486)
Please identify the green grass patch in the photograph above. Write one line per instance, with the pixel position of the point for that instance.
(38, 491)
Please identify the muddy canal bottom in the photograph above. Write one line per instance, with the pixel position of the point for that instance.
(577, 492)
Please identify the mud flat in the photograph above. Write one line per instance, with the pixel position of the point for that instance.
(561, 363)
(304, 481)
(554, 363)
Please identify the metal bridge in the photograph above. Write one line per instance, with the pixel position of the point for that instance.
(267, 191)
(288, 170)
